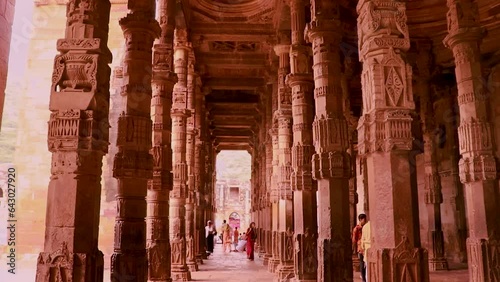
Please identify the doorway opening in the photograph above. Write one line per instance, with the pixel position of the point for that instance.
(233, 189)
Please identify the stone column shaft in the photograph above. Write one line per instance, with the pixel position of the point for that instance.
(78, 138)
(199, 171)
(178, 195)
(163, 80)
(190, 155)
(433, 195)
(133, 164)
(331, 162)
(285, 211)
(274, 191)
(385, 139)
(477, 167)
(267, 214)
(300, 80)
(453, 207)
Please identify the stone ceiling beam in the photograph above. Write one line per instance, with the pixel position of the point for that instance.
(233, 147)
(234, 83)
(250, 59)
(237, 31)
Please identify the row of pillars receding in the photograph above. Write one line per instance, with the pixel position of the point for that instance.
(303, 157)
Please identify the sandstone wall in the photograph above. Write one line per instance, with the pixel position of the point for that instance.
(6, 20)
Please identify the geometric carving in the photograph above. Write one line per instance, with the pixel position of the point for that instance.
(477, 168)
(394, 87)
(134, 132)
(474, 135)
(233, 46)
(331, 165)
(329, 132)
(385, 130)
(75, 129)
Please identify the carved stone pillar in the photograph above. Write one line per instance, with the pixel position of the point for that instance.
(274, 260)
(385, 140)
(164, 78)
(190, 155)
(267, 212)
(446, 117)
(178, 195)
(264, 179)
(199, 172)
(283, 117)
(433, 195)
(300, 80)
(477, 167)
(331, 162)
(78, 139)
(133, 165)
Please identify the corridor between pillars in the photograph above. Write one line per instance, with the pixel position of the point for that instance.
(272, 78)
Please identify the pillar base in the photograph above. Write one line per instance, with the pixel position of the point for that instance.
(199, 259)
(130, 266)
(89, 267)
(272, 265)
(284, 273)
(402, 263)
(181, 275)
(192, 266)
(483, 259)
(436, 264)
(265, 259)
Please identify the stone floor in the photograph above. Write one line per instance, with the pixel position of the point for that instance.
(220, 267)
(231, 267)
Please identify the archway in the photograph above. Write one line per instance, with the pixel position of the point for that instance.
(234, 220)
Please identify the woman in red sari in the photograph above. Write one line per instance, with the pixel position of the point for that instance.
(251, 237)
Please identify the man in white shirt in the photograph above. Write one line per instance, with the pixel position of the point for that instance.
(210, 232)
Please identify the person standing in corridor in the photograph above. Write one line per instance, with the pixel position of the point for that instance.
(210, 232)
(226, 237)
(365, 245)
(251, 237)
(235, 238)
(356, 243)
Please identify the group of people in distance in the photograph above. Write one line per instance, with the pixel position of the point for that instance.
(361, 243)
(240, 241)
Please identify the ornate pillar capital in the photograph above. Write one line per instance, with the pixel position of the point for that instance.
(376, 33)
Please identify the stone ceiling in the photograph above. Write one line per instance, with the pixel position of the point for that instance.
(233, 42)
